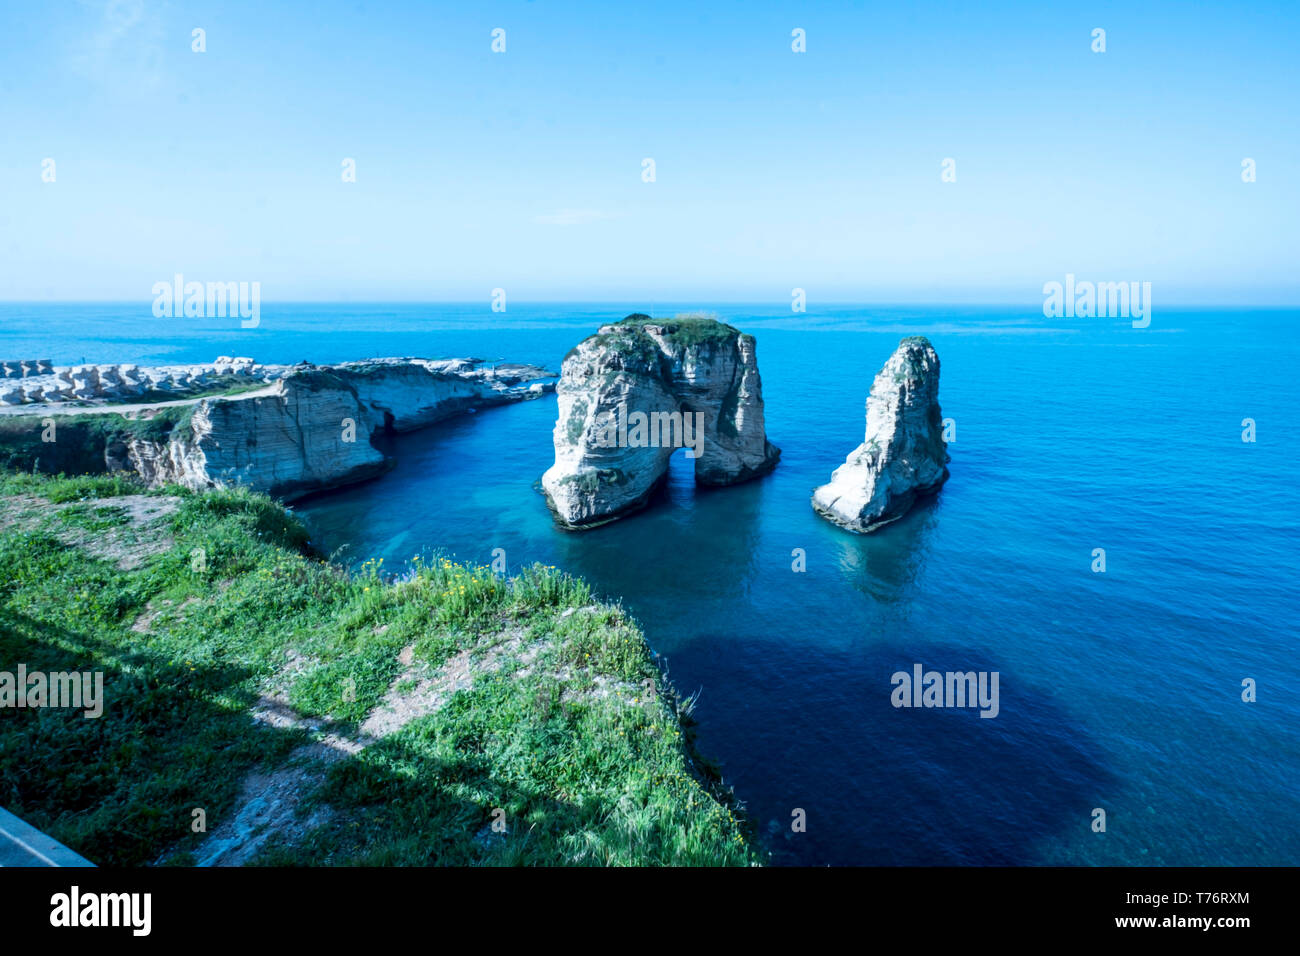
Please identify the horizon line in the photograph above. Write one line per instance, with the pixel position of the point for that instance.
(880, 303)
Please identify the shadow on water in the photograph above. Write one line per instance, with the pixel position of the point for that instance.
(691, 543)
(799, 717)
(946, 786)
(886, 564)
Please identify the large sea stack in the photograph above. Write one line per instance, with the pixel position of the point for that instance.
(636, 391)
(903, 456)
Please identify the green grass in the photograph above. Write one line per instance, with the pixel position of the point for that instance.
(92, 518)
(688, 329)
(639, 350)
(557, 729)
(220, 390)
(80, 441)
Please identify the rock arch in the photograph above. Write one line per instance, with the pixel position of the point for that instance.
(635, 392)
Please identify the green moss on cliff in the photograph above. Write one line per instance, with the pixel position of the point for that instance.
(577, 421)
(624, 347)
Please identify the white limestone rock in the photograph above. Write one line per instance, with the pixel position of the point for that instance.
(903, 456)
(637, 391)
(312, 431)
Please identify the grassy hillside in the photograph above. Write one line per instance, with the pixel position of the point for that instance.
(83, 441)
(320, 717)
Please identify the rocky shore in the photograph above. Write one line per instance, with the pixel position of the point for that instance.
(284, 430)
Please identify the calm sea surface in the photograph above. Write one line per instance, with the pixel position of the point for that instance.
(1119, 690)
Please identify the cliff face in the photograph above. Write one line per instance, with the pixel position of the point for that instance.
(289, 443)
(406, 394)
(312, 431)
(903, 455)
(637, 391)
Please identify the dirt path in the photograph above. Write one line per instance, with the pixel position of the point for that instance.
(269, 802)
(122, 529)
(123, 408)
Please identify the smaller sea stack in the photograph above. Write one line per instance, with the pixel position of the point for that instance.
(903, 456)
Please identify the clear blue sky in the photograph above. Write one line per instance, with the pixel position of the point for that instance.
(522, 170)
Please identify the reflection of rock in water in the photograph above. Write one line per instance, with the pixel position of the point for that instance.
(885, 565)
(700, 546)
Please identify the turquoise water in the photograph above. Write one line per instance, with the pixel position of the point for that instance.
(1119, 690)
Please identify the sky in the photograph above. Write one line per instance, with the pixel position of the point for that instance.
(774, 170)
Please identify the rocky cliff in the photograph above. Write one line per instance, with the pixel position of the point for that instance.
(307, 428)
(635, 392)
(313, 430)
(903, 456)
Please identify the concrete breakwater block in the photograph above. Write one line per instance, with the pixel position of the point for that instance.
(24, 368)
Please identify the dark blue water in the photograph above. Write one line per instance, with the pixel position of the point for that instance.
(1119, 690)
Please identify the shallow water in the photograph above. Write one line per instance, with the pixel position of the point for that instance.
(1119, 690)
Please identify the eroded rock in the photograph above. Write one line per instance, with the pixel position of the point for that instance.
(903, 456)
(311, 430)
(635, 392)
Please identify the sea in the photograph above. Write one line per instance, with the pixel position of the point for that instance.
(1109, 544)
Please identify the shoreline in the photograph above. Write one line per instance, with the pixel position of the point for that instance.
(289, 431)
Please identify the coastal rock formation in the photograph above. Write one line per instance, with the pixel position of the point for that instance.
(405, 394)
(636, 391)
(285, 430)
(311, 430)
(903, 456)
(310, 433)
